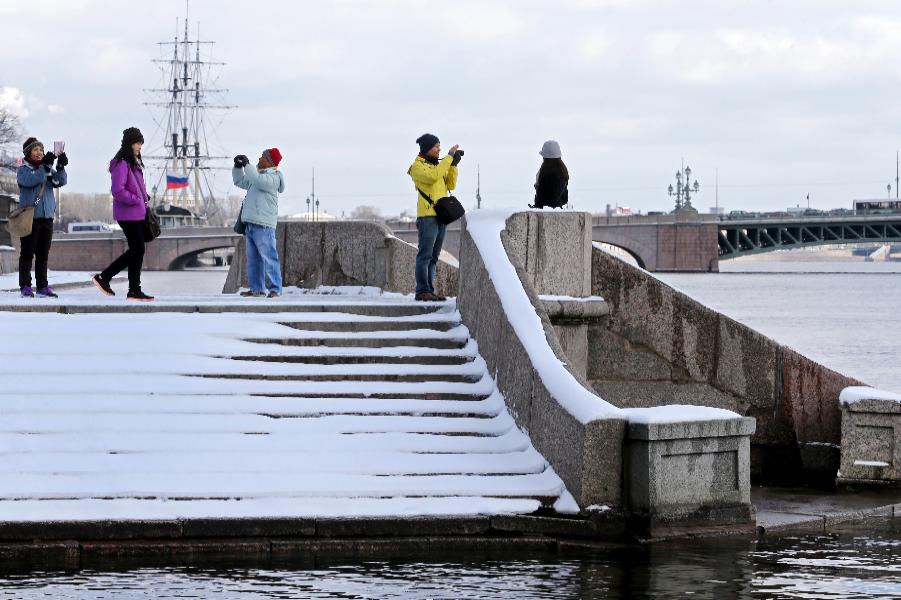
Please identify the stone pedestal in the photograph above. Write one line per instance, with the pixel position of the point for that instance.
(871, 437)
(691, 474)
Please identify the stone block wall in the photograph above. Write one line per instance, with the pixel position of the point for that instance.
(659, 346)
(343, 253)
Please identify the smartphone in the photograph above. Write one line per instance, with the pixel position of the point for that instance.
(59, 148)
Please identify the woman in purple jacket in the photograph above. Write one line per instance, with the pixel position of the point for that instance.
(130, 206)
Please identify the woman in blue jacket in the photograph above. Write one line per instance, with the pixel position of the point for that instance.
(37, 179)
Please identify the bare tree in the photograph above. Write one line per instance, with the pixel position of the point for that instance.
(9, 127)
(9, 133)
(366, 213)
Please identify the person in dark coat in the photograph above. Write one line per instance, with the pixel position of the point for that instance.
(552, 180)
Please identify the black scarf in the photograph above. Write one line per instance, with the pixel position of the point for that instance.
(429, 159)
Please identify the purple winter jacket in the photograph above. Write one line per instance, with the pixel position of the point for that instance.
(129, 192)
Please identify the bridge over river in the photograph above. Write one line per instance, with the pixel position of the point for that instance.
(657, 243)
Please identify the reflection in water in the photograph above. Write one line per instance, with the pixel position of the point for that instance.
(851, 564)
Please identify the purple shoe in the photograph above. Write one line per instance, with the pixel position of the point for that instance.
(27, 292)
(47, 292)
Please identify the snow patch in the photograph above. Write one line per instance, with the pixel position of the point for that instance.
(854, 394)
(677, 413)
(870, 463)
(566, 504)
(485, 227)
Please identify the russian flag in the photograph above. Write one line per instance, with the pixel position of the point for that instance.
(175, 182)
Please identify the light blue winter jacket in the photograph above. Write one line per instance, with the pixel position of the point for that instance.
(263, 187)
(30, 181)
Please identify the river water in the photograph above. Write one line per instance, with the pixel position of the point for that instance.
(862, 562)
(844, 315)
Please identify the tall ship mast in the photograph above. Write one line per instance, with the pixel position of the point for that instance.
(185, 110)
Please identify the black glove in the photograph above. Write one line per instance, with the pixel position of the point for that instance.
(48, 159)
(61, 161)
(458, 155)
(241, 161)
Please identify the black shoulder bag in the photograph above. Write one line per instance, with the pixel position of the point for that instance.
(447, 209)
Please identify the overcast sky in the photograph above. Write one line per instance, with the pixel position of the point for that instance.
(781, 99)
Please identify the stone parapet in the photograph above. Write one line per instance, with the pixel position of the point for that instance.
(695, 472)
(658, 341)
(871, 437)
(341, 253)
(587, 456)
(9, 260)
(693, 468)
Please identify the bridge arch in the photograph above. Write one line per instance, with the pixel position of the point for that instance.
(636, 257)
(183, 260)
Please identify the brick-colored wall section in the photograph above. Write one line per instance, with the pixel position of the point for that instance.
(666, 246)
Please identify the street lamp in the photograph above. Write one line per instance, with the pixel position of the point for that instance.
(683, 190)
(309, 214)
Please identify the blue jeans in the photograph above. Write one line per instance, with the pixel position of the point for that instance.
(262, 258)
(431, 238)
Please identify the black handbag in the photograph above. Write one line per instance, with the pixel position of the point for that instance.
(152, 228)
(239, 226)
(447, 209)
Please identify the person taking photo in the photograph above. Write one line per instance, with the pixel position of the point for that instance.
(433, 179)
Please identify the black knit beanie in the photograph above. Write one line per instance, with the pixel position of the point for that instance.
(426, 142)
(29, 144)
(132, 135)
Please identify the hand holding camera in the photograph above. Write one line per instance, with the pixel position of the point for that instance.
(61, 161)
(241, 161)
(458, 155)
(48, 159)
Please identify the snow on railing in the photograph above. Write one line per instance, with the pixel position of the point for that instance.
(485, 227)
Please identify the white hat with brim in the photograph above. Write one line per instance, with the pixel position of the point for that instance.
(550, 149)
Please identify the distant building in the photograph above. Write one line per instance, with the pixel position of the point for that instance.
(717, 210)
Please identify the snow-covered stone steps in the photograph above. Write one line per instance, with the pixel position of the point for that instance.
(380, 409)
(115, 306)
(273, 407)
(375, 377)
(286, 463)
(355, 359)
(223, 441)
(370, 326)
(380, 339)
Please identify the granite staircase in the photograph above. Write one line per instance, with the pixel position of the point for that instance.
(329, 409)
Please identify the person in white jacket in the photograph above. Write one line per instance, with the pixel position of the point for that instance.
(259, 213)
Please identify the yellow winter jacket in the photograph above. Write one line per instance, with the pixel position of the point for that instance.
(435, 180)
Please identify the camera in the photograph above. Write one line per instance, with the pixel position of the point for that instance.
(459, 153)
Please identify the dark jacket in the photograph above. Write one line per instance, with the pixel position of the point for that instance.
(551, 185)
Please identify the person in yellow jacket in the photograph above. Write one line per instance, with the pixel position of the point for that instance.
(433, 178)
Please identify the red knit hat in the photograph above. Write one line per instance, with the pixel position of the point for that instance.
(273, 155)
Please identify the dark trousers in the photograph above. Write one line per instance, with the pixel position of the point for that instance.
(431, 238)
(36, 246)
(133, 258)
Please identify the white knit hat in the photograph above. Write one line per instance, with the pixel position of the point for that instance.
(550, 149)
